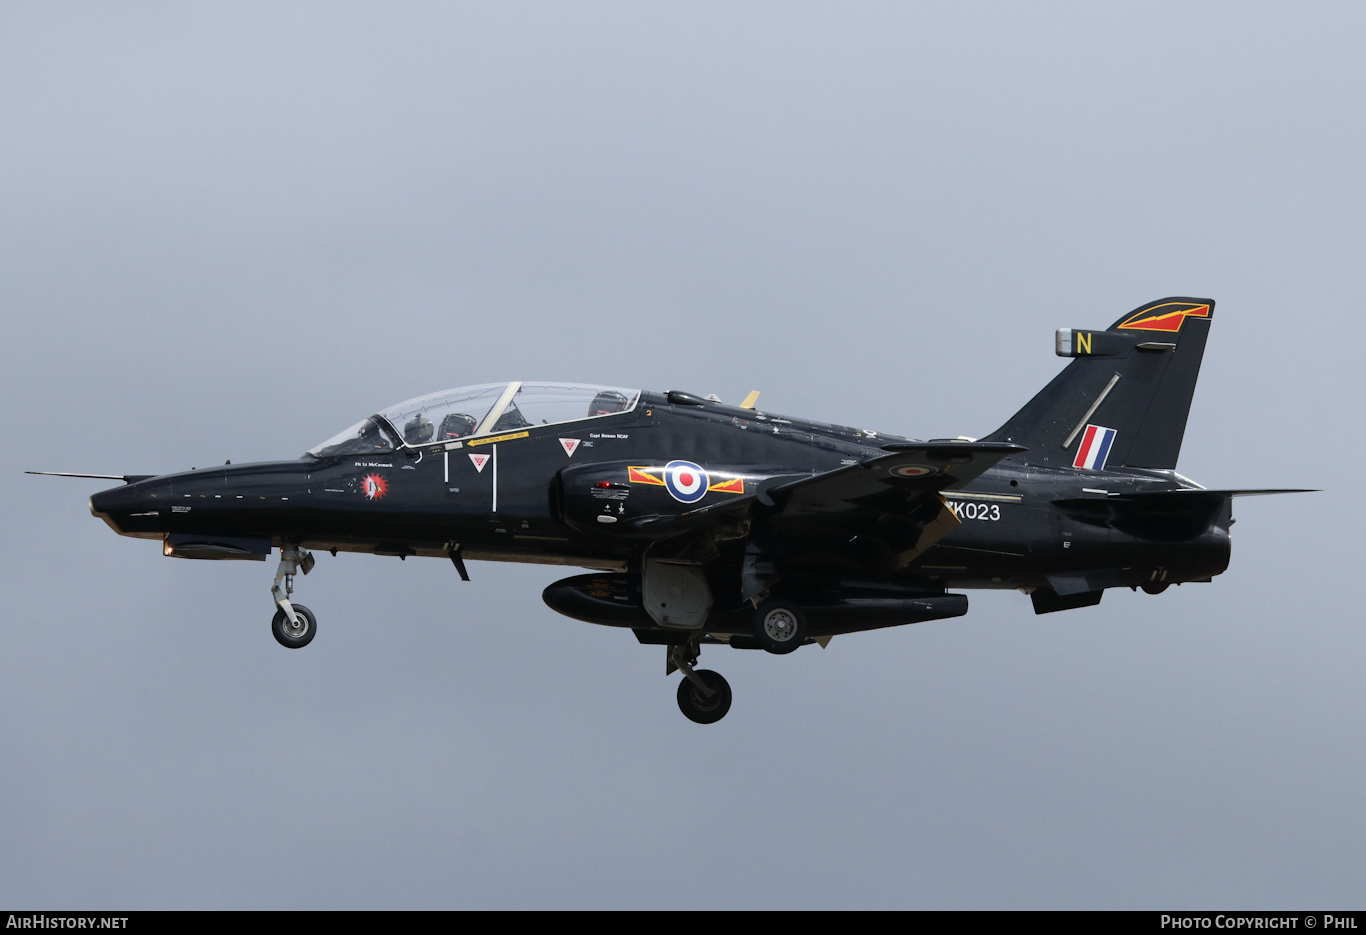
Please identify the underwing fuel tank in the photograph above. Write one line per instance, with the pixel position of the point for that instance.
(614, 600)
(610, 599)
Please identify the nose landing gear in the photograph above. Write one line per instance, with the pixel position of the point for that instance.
(703, 695)
(293, 625)
(704, 705)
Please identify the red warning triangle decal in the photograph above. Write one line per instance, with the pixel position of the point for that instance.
(479, 462)
(570, 445)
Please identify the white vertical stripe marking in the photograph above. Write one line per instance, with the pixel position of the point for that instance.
(1094, 406)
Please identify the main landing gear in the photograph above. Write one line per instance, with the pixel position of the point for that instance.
(294, 625)
(779, 626)
(703, 695)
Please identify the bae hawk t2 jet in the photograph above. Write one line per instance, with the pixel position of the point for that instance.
(705, 524)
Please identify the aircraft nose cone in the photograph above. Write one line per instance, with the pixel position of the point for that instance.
(126, 509)
(107, 501)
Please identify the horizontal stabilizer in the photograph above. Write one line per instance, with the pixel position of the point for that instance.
(1187, 493)
(1179, 514)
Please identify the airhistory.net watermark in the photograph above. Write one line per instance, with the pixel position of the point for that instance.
(36, 920)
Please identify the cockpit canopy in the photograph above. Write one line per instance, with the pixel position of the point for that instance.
(476, 410)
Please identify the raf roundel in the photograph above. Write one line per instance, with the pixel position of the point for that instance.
(685, 481)
(914, 470)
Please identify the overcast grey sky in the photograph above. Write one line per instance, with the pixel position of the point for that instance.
(230, 231)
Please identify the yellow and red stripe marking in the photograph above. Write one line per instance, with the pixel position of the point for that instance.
(654, 476)
(642, 475)
(1156, 319)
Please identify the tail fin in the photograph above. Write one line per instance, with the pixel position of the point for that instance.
(1124, 399)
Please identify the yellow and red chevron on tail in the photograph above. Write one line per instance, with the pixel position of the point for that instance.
(1169, 317)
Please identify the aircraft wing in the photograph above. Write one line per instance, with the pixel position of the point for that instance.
(901, 485)
(888, 482)
(893, 498)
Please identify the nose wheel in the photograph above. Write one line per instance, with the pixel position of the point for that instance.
(294, 625)
(703, 695)
(705, 704)
(294, 631)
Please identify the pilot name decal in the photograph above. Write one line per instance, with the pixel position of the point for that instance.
(374, 486)
(373, 464)
(1095, 448)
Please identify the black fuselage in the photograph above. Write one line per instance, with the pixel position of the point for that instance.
(571, 494)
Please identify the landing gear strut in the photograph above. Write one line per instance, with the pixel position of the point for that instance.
(703, 695)
(294, 625)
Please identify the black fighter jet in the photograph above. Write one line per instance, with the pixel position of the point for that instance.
(706, 524)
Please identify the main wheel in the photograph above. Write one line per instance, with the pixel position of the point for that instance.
(296, 633)
(700, 707)
(779, 626)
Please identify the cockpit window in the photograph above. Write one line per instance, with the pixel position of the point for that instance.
(610, 401)
(443, 417)
(548, 403)
(455, 414)
(365, 437)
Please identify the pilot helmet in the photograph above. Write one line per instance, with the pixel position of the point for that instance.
(456, 425)
(607, 401)
(418, 430)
